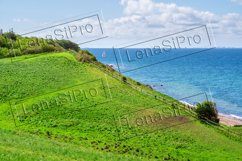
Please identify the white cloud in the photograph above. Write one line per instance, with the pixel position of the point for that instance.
(145, 18)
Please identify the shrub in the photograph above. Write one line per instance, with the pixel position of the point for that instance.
(26, 42)
(85, 56)
(10, 35)
(149, 86)
(4, 52)
(33, 50)
(14, 45)
(59, 48)
(3, 42)
(48, 48)
(207, 110)
(14, 52)
(138, 83)
(90, 54)
(68, 45)
(110, 68)
(237, 125)
(124, 79)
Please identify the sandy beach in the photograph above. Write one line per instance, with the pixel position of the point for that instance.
(229, 120)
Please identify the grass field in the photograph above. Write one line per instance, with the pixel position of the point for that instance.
(55, 108)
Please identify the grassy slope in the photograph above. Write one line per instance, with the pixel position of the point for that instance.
(22, 146)
(92, 123)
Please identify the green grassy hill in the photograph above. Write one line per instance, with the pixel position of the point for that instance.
(55, 108)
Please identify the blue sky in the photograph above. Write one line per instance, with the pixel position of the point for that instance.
(122, 18)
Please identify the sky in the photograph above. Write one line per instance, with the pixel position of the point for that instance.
(127, 21)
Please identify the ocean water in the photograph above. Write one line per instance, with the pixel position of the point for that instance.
(191, 75)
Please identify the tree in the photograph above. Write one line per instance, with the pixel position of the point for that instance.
(207, 110)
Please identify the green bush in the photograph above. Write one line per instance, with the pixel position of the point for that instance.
(15, 45)
(10, 35)
(68, 45)
(124, 79)
(14, 52)
(149, 86)
(4, 42)
(4, 52)
(48, 48)
(90, 54)
(33, 50)
(85, 56)
(26, 42)
(42, 49)
(207, 110)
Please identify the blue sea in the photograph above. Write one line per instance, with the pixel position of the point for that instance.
(191, 75)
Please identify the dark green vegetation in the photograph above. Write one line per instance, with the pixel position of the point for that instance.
(207, 110)
(12, 45)
(78, 111)
(85, 56)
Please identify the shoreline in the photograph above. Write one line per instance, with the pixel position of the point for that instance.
(229, 119)
(225, 119)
